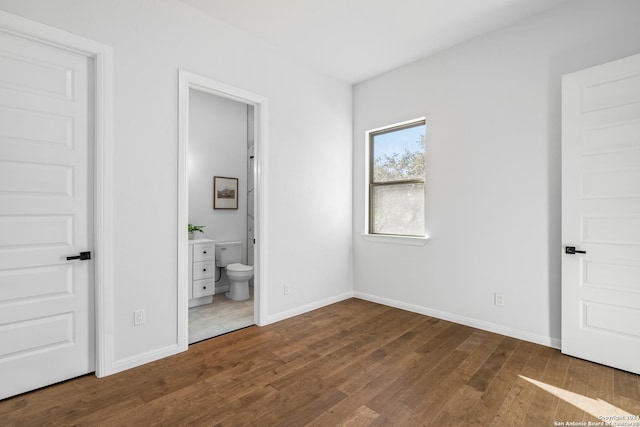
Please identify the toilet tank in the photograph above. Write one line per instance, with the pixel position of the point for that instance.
(228, 253)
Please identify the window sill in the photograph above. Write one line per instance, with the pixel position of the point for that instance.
(396, 240)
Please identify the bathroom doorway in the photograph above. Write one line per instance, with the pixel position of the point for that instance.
(220, 136)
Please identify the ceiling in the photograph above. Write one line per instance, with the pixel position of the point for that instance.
(353, 40)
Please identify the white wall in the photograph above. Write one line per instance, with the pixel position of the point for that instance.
(493, 129)
(217, 147)
(308, 162)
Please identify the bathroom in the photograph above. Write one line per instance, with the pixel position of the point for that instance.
(220, 153)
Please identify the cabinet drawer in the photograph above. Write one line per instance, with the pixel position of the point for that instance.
(203, 288)
(203, 269)
(204, 251)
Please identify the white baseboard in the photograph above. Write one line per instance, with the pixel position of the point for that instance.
(463, 320)
(141, 359)
(305, 308)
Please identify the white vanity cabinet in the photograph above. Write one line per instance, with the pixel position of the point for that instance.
(202, 268)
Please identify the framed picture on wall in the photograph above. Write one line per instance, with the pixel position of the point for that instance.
(225, 193)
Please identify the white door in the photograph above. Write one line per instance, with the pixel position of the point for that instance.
(601, 214)
(46, 215)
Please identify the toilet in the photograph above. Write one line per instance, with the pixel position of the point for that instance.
(229, 255)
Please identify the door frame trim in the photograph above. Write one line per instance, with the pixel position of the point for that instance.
(186, 81)
(102, 56)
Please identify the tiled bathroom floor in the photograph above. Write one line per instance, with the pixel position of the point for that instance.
(224, 315)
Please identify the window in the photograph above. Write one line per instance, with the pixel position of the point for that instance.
(397, 180)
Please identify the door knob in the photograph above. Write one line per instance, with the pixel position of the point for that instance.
(571, 250)
(82, 257)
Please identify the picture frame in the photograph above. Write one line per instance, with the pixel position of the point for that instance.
(225, 192)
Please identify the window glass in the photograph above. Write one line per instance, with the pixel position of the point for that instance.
(398, 209)
(399, 154)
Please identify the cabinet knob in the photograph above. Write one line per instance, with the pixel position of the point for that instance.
(204, 287)
(204, 269)
(204, 252)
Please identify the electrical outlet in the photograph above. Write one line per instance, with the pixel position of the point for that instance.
(286, 289)
(138, 317)
(498, 299)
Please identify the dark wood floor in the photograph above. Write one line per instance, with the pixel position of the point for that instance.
(354, 363)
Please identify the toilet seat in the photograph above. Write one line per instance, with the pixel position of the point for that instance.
(239, 267)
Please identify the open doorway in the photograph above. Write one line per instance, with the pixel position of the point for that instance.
(220, 210)
(219, 145)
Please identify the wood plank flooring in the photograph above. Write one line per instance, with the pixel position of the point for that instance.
(353, 363)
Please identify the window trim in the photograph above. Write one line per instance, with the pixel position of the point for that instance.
(396, 239)
(371, 185)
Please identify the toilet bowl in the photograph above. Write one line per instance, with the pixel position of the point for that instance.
(239, 276)
(228, 255)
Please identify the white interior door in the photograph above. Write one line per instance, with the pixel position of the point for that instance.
(46, 214)
(601, 214)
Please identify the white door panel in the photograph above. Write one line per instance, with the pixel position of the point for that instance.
(46, 211)
(601, 214)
